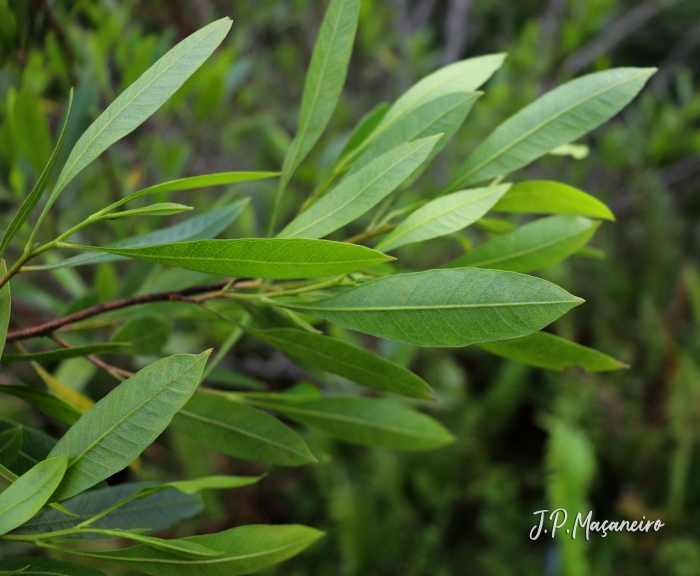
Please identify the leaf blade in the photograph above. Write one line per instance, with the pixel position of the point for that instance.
(47, 403)
(46, 566)
(5, 306)
(65, 353)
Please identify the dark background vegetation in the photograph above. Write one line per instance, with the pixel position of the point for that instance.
(465, 509)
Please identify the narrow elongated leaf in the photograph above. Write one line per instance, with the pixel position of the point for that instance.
(35, 447)
(443, 216)
(444, 115)
(46, 567)
(537, 245)
(464, 76)
(372, 422)
(160, 209)
(181, 547)
(47, 403)
(363, 130)
(544, 197)
(257, 257)
(200, 227)
(65, 353)
(194, 182)
(5, 305)
(346, 360)
(133, 106)
(25, 497)
(246, 549)
(241, 431)
(552, 352)
(559, 117)
(324, 80)
(32, 200)
(447, 307)
(157, 511)
(115, 431)
(360, 192)
(10, 445)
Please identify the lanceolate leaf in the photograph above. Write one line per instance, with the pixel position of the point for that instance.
(443, 115)
(5, 304)
(360, 192)
(30, 492)
(194, 182)
(443, 216)
(35, 447)
(65, 353)
(559, 117)
(537, 245)
(115, 431)
(32, 200)
(133, 106)
(552, 352)
(246, 549)
(369, 421)
(324, 80)
(346, 360)
(46, 402)
(45, 567)
(157, 511)
(363, 130)
(160, 209)
(544, 197)
(447, 307)
(241, 431)
(10, 445)
(257, 257)
(200, 227)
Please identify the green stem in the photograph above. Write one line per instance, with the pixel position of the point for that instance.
(304, 289)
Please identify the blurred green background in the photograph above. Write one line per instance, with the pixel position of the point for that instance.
(623, 444)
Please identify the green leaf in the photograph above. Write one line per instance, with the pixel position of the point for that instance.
(351, 362)
(36, 447)
(559, 117)
(160, 209)
(363, 130)
(146, 335)
(443, 216)
(65, 353)
(246, 549)
(324, 80)
(464, 76)
(157, 511)
(193, 183)
(200, 227)
(47, 403)
(360, 192)
(140, 100)
(32, 200)
(275, 258)
(443, 115)
(115, 431)
(576, 151)
(46, 567)
(5, 305)
(30, 492)
(545, 197)
(553, 353)
(372, 422)
(537, 245)
(10, 444)
(182, 548)
(446, 307)
(241, 431)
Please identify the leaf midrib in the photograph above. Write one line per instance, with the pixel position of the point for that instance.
(437, 307)
(518, 140)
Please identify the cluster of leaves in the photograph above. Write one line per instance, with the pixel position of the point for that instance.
(481, 298)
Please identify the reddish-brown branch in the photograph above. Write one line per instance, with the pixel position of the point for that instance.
(95, 360)
(48, 328)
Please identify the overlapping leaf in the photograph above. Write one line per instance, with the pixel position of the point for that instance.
(552, 352)
(45, 567)
(443, 216)
(241, 431)
(36, 447)
(559, 117)
(115, 431)
(351, 362)
(537, 245)
(44, 401)
(446, 307)
(257, 257)
(65, 353)
(10, 445)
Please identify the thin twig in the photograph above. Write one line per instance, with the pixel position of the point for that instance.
(113, 370)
